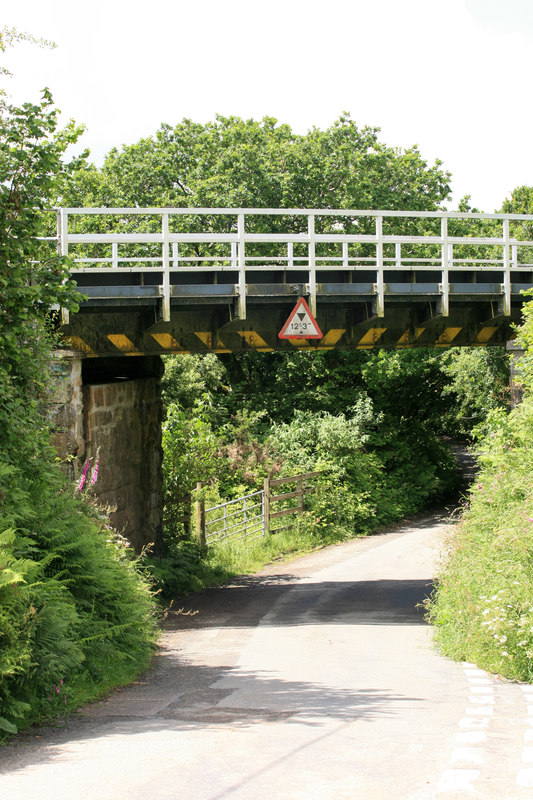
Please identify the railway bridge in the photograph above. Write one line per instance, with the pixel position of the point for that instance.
(198, 280)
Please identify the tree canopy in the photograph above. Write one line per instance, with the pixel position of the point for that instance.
(75, 616)
(233, 162)
(33, 277)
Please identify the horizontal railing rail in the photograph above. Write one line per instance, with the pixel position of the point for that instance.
(302, 488)
(369, 247)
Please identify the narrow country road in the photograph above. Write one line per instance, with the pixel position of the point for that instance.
(312, 681)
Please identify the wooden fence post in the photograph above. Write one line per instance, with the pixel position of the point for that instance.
(200, 515)
(300, 484)
(187, 513)
(266, 487)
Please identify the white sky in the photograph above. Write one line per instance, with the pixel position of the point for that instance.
(453, 76)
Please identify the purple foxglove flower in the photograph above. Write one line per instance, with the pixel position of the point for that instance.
(83, 478)
(94, 476)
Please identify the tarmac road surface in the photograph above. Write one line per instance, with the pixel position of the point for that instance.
(314, 680)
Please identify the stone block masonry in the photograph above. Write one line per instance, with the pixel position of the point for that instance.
(114, 412)
(64, 409)
(122, 424)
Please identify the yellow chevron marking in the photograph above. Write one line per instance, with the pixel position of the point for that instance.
(371, 337)
(331, 338)
(485, 334)
(206, 337)
(124, 344)
(327, 342)
(409, 337)
(167, 341)
(78, 344)
(254, 340)
(447, 337)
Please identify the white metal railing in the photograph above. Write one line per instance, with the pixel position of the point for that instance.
(379, 242)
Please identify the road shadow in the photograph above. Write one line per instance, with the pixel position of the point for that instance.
(200, 697)
(286, 600)
(177, 695)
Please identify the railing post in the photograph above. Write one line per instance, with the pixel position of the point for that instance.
(166, 267)
(62, 232)
(450, 256)
(200, 515)
(266, 505)
(242, 267)
(114, 255)
(345, 261)
(312, 263)
(380, 278)
(398, 254)
(506, 270)
(62, 250)
(290, 254)
(445, 278)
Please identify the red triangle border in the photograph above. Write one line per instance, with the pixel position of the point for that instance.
(283, 334)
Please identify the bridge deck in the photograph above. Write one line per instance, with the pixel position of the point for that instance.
(194, 272)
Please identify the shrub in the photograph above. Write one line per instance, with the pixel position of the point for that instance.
(76, 615)
(482, 607)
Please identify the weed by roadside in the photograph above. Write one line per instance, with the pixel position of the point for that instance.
(483, 604)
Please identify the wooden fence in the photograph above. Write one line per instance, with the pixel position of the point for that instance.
(251, 516)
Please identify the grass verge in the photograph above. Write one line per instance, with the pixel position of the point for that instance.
(482, 608)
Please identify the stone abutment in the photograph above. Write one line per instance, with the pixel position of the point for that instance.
(110, 411)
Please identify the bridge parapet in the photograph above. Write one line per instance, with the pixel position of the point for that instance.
(202, 272)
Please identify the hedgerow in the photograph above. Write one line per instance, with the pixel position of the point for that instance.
(483, 604)
(76, 613)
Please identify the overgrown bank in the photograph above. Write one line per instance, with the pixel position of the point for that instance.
(483, 604)
(76, 615)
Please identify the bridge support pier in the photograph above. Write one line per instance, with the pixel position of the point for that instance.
(110, 410)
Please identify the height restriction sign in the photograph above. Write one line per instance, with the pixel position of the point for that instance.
(301, 323)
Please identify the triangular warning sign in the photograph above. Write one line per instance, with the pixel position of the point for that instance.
(301, 323)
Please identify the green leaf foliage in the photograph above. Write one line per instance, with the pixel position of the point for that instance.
(33, 278)
(76, 614)
(233, 162)
(190, 455)
(74, 610)
(482, 605)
